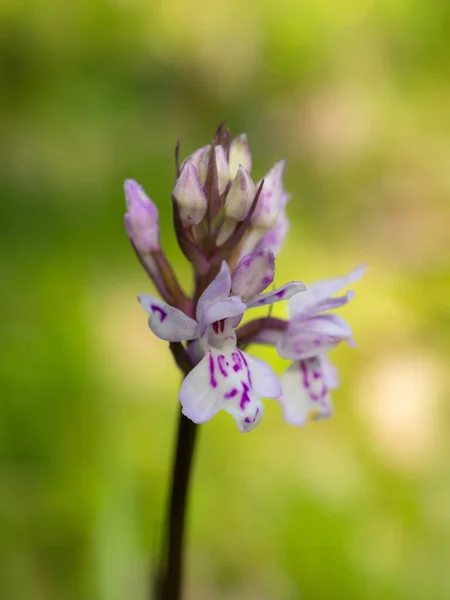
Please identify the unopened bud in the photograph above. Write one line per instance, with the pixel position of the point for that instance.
(195, 157)
(189, 195)
(271, 199)
(141, 219)
(254, 273)
(223, 169)
(240, 154)
(240, 197)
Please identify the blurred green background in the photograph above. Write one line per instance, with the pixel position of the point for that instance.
(355, 94)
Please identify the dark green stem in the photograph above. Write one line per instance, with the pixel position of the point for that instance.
(169, 585)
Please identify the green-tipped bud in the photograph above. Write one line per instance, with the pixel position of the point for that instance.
(240, 154)
(240, 196)
(189, 195)
(223, 169)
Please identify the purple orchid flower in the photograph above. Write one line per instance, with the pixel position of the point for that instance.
(225, 377)
(309, 336)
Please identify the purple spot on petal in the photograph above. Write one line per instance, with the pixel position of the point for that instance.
(281, 293)
(249, 420)
(249, 377)
(231, 394)
(267, 280)
(212, 379)
(304, 374)
(315, 397)
(222, 362)
(245, 398)
(237, 366)
(158, 309)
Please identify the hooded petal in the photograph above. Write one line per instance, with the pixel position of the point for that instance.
(283, 293)
(222, 309)
(254, 273)
(228, 379)
(318, 294)
(305, 392)
(167, 322)
(316, 335)
(218, 289)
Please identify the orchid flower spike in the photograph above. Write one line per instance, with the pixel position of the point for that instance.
(230, 230)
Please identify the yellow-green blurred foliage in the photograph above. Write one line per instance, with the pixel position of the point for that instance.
(356, 95)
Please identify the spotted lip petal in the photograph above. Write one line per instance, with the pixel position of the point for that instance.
(317, 335)
(318, 295)
(166, 322)
(254, 273)
(283, 293)
(305, 391)
(228, 379)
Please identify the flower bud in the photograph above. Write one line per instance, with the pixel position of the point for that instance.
(189, 195)
(240, 197)
(195, 157)
(254, 273)
(240, 154)
(141, 219)
(223, 169)
(271, 200)
(275, 237)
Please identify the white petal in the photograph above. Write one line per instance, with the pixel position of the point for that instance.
(264, 379)
(197, 394)
(317, 294)
(330, 372)
(167, 322)
(218, 289)
(305, 393)
(283, 293)
(316, 335)
(228, 379)
(223, 309)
